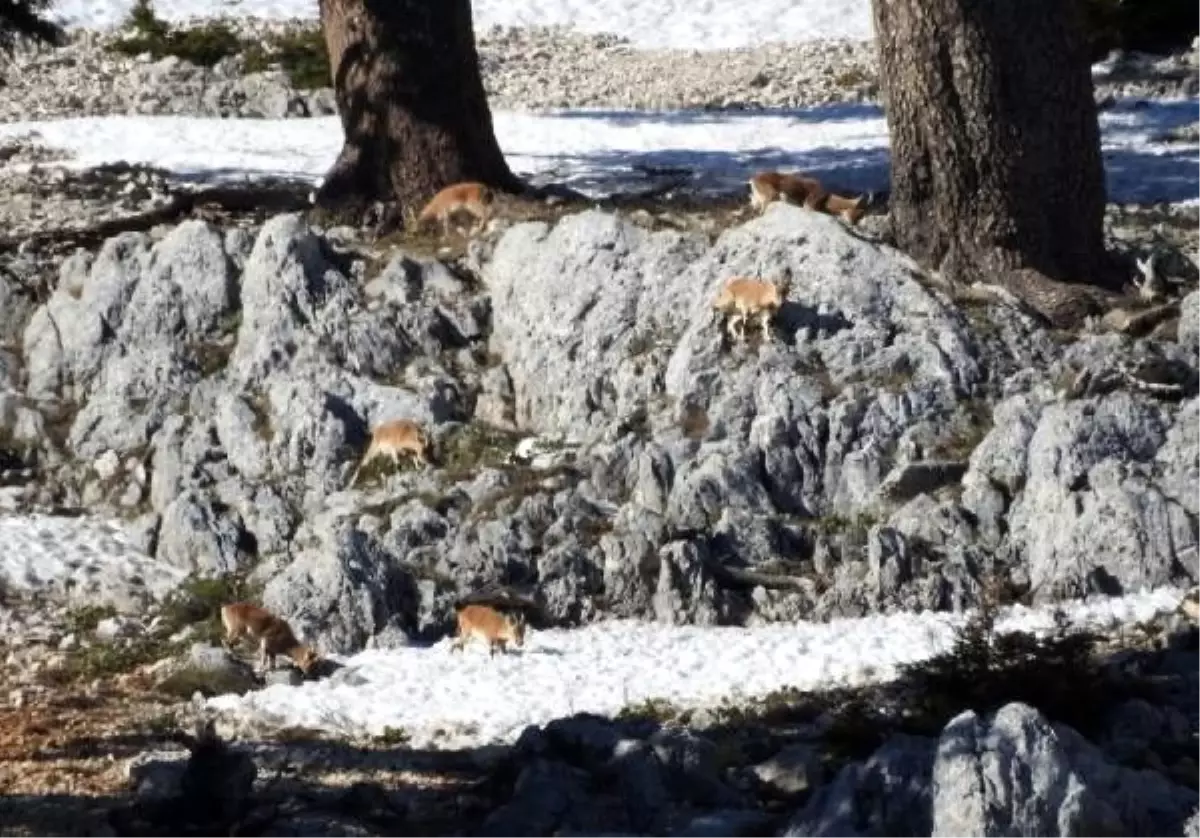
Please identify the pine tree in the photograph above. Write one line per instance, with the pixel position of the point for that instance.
(22, 20)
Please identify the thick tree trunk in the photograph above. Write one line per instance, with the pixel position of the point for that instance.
(996, 167)
(412, 104)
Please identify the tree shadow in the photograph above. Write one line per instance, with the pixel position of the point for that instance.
(618, 171)
(561, 776)
(698, 117)
(1133, 175)
(1130, 115)
(303, 784)
(1142, 176)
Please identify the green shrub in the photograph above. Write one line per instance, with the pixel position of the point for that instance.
(103, 660)
(300, 53)
(473, 447)
(83, 620)
(986, 670)
(144, 21)
(652, 710)
(202, 45)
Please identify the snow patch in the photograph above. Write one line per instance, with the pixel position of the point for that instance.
(469, 699)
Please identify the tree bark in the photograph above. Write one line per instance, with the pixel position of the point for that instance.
(996, 167)
(412, 104)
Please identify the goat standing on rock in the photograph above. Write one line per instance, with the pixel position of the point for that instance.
(744, 297)
(399, 436)
(808, 192)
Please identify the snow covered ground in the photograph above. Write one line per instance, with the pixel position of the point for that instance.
(476, 700)
(712, 24)
(88, 557)
(599, 152)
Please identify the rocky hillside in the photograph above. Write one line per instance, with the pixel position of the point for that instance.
(280, 71)
(602, 449)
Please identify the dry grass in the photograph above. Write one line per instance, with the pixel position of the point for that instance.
(73, 742)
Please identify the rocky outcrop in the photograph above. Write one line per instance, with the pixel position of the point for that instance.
(1009, 772)
(1015, 773)
(884, 449)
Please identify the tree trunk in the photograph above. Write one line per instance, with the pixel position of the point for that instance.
(996, 167)
(412, 104)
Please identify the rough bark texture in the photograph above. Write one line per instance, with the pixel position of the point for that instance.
(412, 104)
(996, 167)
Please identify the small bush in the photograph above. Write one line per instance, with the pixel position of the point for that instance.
(651, 710)
(966, 432)
(524, 482)
(144, 21)
(1058, 674)
(202, 45)
(104, 660)
(84, 620)
(474, 447)
(856, 729)
(300, 53)
(393, 737)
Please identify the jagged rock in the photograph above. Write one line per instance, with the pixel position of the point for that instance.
(908, 480)
(1014, 773)
(583, 739)
(726, 822)
(210, 670)
(204, 788)
(544, 794)
(158, 775)
(692, 767)
(197, 534)
(1189, 323)
(342, 591)
(17, 303)
(686, 592)
(1091, 516)
(690, 481)
(639, 777)
(562, 344)
(889, 794)
(793, 771)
